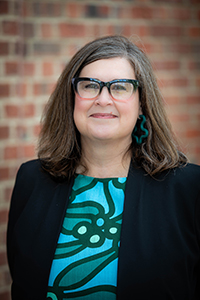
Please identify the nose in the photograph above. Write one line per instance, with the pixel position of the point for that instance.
(104, 97)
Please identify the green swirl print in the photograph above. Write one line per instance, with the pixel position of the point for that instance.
(85, 260)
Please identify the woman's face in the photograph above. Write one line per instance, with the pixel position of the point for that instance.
(106, 119)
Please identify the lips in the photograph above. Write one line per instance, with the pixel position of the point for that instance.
(103, 116)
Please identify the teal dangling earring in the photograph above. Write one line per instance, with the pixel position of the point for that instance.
(139, 139)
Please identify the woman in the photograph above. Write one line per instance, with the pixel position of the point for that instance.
(111, 209)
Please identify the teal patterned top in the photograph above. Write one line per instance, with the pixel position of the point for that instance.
(86, 257)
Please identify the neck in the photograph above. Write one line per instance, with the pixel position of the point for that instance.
(105, 160)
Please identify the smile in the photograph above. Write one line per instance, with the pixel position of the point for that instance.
(103, 116)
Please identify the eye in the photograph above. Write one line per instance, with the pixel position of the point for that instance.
(90, 86)
(118, 87)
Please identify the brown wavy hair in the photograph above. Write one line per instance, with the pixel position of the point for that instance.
(59, 147)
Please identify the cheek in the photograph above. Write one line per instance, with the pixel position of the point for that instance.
(131, 113)
(78, 104)
(132, 109)
(77, 110)
(80, 111)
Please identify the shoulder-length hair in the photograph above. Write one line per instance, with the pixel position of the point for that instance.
(59, 147)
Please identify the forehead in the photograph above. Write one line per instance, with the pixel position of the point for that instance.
(109, 69)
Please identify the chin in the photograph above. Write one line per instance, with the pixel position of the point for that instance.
(103, 137)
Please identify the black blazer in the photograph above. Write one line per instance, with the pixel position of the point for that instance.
(159, 256)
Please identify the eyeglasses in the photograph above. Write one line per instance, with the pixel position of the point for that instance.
(119, 89)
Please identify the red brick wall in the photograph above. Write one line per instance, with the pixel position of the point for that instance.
(37, 38)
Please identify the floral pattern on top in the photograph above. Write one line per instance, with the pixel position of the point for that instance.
(86, 257)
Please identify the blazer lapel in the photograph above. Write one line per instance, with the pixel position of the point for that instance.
(133, 193)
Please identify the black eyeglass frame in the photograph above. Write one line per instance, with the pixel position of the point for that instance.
(76, 80)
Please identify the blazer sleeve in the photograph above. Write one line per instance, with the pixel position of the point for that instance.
(197, 212)
(24, 184)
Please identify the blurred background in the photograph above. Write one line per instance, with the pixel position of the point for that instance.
(37, 39)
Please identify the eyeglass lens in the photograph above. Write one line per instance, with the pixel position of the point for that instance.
(89, 89)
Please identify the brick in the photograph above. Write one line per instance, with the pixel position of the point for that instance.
(71, 30)
(194, 31)
(198, 14)
(193, 99)
(182, 48)
(194, 1)
(166, 31)
(29, 151)
(94, 11)
(4, 132)
(4, 90)
(4, 173)
(5, 279)
(10, 152)
(42, 89)
(21, 132)
(160, 13)
(166, 65)
(12, 68)
(142, 12)
(3, 258)
(12, 110)
(10, 27)
(28, 30)
(104, 11)
(46, 48)
(21, 49)
(3, 216)
(47, 69)
(182, 14)
(4, 7)
(73, 10)
(28, 69)
(141, 30)
(14, 152)
(46, 30)
(36, 130)
(97, 29)
(193, 133)
(46, 9)
(194, 66)
(21, 8)
(174, 100)
(27, 110)
(5, 295)
(8, 193)
(174, 82)
(4, 48)
(195, 48)
(168, 1)
(179, 118)
(198, 82)
(21, 89)
(126, 30)
(122, 12)
(110, 30)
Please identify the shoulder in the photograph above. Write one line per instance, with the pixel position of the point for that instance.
(183, 180)
(30, 178)
(30, 168)
(188, 175)
(31, 172)
(189, 170)
(32, 185)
